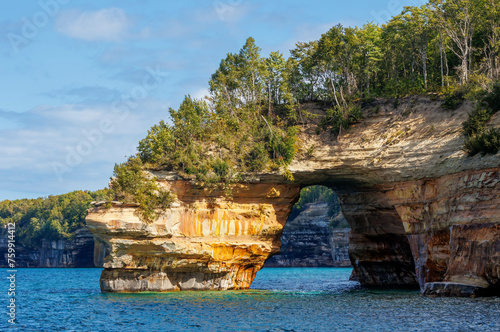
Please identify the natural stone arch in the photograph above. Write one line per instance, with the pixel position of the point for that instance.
(379, 249)
(403, 181)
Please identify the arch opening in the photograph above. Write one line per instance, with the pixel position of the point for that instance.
(316, 233)
(375, 242)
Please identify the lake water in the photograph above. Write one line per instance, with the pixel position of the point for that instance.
(294, 299)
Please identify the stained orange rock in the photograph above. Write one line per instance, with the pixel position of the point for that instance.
(194, 245)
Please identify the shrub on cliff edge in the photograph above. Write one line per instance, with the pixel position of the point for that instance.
(478, 138)
(132, 185)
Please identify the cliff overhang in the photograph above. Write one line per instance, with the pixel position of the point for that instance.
(422, 212)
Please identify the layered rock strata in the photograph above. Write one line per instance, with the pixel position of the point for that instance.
(309, 241)
(205, 241)
(453, 227)
(339, 247)
(422, 213)
(61, 254)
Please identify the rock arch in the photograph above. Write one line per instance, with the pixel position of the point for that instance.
(421, 212)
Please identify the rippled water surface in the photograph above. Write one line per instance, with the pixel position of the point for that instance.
(305, 299)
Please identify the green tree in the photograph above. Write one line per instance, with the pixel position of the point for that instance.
(370, 41)
(251, 72)
(275, 66)
(456, 19)
(304, 76)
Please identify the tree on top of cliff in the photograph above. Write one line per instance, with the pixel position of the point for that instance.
(235, 130)
(244, 124)
(249, 121)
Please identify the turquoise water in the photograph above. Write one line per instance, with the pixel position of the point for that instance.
(305, 299)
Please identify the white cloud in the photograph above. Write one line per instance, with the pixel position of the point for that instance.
(70, 147)
(231, 11)
(200, 93)
(109, 24)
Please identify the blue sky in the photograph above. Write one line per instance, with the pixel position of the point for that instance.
(82, 81)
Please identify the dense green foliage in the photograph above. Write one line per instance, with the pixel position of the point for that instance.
(453, 98)
(50, 218)
(249, 121)
(487, 141)
(132, 185)
(213, 147)
(479, 138)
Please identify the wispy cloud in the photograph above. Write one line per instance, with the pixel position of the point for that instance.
(46, 137)
(200, 93)
(231, 11)
(110, 24)
(85, 94)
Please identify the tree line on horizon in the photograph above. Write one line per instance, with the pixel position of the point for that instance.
(49, 218)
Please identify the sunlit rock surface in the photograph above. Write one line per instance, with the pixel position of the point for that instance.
(205, 241)
(422, 213)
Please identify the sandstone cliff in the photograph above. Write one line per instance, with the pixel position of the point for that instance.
(75, 253)
(422, 213)
(317, 245)
(309, 241)
(205, 241)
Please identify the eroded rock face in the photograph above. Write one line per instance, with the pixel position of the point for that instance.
(60, 254)
(422, 213)
(205, 241)
(453, 225)
(309, 241)
(378, 247)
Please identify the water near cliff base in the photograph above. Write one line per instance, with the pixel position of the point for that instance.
(286, 299)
